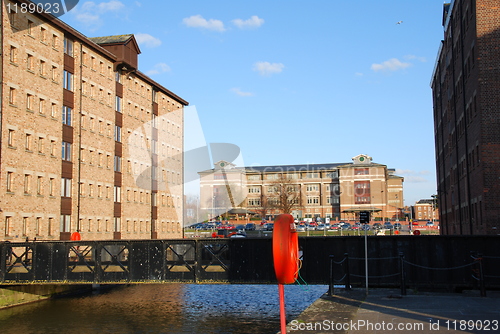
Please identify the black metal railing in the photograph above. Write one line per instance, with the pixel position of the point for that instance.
(417, 262)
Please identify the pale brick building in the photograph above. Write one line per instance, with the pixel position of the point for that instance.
(335, 190)
(425, 209)
(89, 143)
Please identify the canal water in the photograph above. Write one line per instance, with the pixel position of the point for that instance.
(163, 308)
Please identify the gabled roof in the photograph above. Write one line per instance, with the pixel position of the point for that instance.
(121, 39)
(117, 39)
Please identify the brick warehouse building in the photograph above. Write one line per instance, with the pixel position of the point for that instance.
(89, 143)
(336, 190)
(466, 99)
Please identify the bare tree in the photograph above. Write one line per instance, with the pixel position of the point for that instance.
(288, 194)
(191, 209)
(264, 208)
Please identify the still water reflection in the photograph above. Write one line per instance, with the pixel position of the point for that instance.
(166, 308)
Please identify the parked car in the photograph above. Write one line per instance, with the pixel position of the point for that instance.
(397, 226)
(268, 226)
(300, 228)
(345, 226)
(240, 228)
(320, 227)
(310, 227)
(429, 224)
(250, 227)
(356, 226)
(388, 226)
(335, 226)
(377, 226)
(365, 227)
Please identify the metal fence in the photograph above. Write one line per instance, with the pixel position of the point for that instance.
(418, 262)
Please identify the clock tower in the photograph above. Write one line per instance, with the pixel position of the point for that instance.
(362, 159)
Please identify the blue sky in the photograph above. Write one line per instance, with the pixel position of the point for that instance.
(294, 82)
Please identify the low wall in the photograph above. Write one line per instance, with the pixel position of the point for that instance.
(22, 294)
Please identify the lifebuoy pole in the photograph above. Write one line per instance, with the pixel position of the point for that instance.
(285, 256)
(281, 291)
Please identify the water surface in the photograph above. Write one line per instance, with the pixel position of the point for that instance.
(163, 308)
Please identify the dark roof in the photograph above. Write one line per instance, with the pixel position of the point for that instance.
(121, 39)
(426, 201)
(295, 168)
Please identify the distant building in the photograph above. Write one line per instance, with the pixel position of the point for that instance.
(466, 98)
(426, 209)
(337, 191)
(89, 143)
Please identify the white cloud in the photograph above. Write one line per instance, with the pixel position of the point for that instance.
(159, 68)
(392, 64)
(239, 92)
(252, 22)
(412, 57)
(110, 6)
(147, 40)
(197, 21)
(90, 12)
(265, 68)
(88, 18)
(412, 176)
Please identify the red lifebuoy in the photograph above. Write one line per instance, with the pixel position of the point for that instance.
(416, 232)
(75, 236)
(285, 249)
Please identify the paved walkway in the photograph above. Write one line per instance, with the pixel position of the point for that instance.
(386, 311)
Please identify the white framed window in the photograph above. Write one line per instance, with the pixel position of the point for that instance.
(117, 194)
(254, 190)
(65, 187)
(68, 46)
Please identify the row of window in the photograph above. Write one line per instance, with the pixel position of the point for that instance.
(310, 200)
(31, 184)
(41, 186)
(30, 227)
(31, 27)
(97, 65)
(293, 175)
(39, 66)
(99, 159)
(66, 150)
(38, 185)
(33, 102)
(36, 227)
(67, 116)
(43, 144)
(91, 157)
(293, 188)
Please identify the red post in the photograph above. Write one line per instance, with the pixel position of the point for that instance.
(281, 290)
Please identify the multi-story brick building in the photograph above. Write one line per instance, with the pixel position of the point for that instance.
(89, 143)
(466, 98)
(335, 190)
(425, 209)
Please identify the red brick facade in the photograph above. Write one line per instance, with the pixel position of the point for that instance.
(466, 99)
